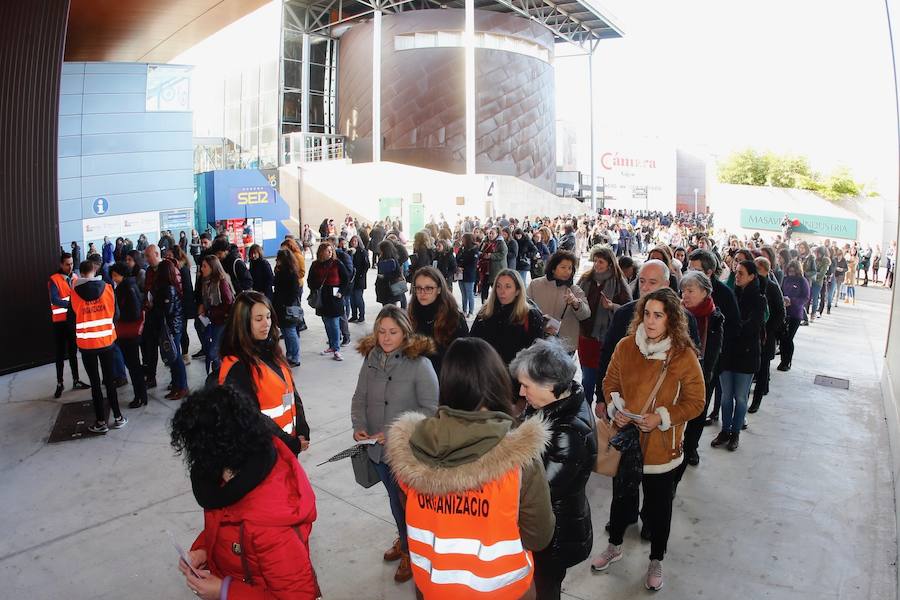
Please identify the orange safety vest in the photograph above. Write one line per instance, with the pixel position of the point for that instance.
(65, 293)
(274, 391)
(94, 327)
(467, 544)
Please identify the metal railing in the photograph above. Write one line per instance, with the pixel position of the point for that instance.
(312, 147)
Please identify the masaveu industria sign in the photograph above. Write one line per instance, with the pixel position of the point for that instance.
(770, 220)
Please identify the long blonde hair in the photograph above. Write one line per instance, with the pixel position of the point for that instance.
(520, 304)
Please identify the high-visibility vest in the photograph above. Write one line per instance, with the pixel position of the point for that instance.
(94, 327)
(64, 289)
(467, 544)
(274, 391)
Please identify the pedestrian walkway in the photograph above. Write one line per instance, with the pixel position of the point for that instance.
(804, 509)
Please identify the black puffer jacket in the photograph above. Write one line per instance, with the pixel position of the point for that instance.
(508, 338)
(772, 294)
(743, 356)
(715, 334)
(568, 461)
(236, 268)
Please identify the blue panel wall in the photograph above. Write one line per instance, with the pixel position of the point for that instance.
(111, 147)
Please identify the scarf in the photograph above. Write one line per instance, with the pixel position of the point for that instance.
(595, 284)
(212, 292)
(211, 493)
(701, 313)
(651, 350)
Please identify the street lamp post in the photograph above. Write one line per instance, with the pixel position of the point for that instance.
(696, 191)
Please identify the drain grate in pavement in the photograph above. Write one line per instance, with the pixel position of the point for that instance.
(72, 422)
(832, 382)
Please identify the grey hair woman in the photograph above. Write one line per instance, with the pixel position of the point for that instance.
(545, 373)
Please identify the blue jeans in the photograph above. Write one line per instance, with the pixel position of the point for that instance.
(735, 391)
(291, 343)
(211, 336)
(468, 296)
(524, 276)
(346, 301)
(589, 382)
(358, 305)
(119, 363)
(393, 490)
(814, 298)
(830, 296)
(179, 374)
(333, 330)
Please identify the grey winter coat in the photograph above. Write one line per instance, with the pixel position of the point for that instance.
(389, 386)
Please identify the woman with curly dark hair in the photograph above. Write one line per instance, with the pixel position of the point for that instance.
(257, 502)
(434, 313)
(252, 362)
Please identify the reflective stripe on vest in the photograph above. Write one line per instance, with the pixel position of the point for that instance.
(64, 291)
(271, 390)
(463, 545)
(94, 329)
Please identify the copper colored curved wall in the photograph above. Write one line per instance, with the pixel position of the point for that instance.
(423, 98)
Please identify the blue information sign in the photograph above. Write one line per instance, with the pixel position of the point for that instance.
(100, 206)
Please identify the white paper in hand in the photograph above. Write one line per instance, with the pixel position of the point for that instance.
(183, 554)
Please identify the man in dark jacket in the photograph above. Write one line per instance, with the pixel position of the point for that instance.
(234, 266)
(130, 305)
(771, 291)
(567, 241)
(340, 252)
(375, 238)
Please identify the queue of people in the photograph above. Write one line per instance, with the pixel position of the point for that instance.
(484, 436)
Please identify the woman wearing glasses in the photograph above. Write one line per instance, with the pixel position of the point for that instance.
(434, 313)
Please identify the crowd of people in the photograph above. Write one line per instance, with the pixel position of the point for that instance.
(480, 422)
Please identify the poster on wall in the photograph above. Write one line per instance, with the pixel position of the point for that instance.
(177, 221)
(129, 226)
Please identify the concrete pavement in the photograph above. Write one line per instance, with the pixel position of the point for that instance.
(804, 509)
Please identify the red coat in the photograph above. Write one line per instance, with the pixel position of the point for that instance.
(270, 528)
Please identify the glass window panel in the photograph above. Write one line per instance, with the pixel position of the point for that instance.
(233, 89)
(268, 108)
(318, 50)
(317, 129)
(316, 109)
(268, 76)
(168, 88)
(291, 107)
(425, 40)
(404, 42)
(316, 78)
(289, 128)
(293, 74)
(233, 122)
(293, 45)
(449, 39)
(250, 83)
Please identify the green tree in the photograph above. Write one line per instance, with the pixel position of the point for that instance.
(745, 168)
(787, 171)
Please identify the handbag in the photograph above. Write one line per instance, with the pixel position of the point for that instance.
(167, 350)
(293, 314)
(364, 470)
(608, 457)
(458, 275)
(129, 330)
(537, 268)
(315, 298)
(398, 288)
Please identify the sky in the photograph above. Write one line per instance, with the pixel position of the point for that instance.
(810, 77)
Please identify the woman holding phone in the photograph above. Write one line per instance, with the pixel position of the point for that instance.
(562, 302)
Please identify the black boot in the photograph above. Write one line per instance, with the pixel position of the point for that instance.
(754, 406)
(784, 367)
(692, 457)
(59, 390)
(734, 441)
(722, 438)
(711, 419)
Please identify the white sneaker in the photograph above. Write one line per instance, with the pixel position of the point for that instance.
(654, 579)
(337, 356)
(606, 558)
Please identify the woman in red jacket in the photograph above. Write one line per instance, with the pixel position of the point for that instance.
(258, 504)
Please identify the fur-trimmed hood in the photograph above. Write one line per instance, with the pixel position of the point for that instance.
(461, 450)
(418, 345)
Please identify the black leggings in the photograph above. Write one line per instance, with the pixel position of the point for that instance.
(131, 352)
(64, 340)
(548, 577)
(103, 359)
(787, 340)
(656, 513)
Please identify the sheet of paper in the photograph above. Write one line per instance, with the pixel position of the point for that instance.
(183, 554)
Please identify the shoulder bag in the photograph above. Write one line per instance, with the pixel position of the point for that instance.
(608, 457)
(315, 298)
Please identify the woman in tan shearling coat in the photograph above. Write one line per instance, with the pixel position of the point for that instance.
(658, 346)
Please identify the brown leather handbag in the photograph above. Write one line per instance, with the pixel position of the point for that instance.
(608, 457)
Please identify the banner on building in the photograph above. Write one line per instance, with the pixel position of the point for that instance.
(819, 225)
